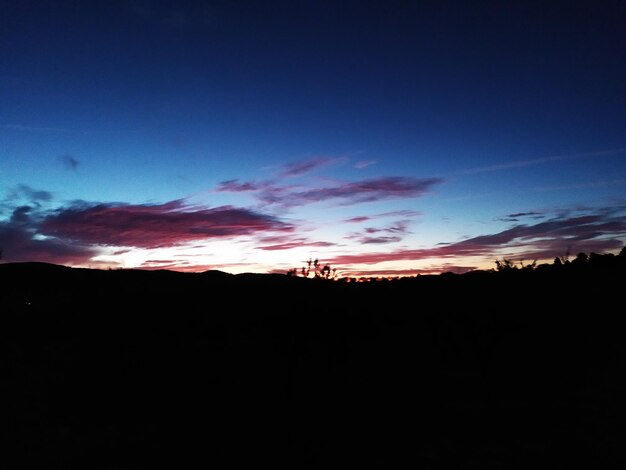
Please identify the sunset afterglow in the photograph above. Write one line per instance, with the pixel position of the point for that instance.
(387, 139)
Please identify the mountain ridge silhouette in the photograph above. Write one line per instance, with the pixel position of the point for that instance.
(143, 369)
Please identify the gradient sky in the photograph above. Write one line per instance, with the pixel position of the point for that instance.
(385, 138)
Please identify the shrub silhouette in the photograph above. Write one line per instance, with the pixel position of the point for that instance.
(510, 265)
(314, 267)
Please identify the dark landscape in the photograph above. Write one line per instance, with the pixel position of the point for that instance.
(127, 369)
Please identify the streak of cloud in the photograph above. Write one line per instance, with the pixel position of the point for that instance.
(515, 217)
(18, 127)
(364, 164)
(307, 166)
(539, 161)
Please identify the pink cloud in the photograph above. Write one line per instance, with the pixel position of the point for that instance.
(294, 244)
(590, 233)
(154, 226)
(357, 220)
(288, 242)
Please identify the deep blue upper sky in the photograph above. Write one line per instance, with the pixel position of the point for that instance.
(482, 109)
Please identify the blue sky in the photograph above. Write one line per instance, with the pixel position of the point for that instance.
(247, 136)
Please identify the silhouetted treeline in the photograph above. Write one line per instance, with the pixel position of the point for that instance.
(490, 369)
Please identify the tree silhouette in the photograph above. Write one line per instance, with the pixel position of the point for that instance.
(505, 265)
(316, 268)
(510, 265)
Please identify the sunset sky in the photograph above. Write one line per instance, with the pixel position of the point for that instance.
(384, 138)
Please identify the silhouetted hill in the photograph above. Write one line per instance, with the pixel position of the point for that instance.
(143, 369)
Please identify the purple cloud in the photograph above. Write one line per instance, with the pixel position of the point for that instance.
(363, 191)
(154, 226)
(294, 244)
(273, 191)
(588, 233)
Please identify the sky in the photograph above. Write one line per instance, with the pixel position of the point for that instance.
(383, 138)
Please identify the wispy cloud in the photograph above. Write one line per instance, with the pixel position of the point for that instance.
(381, 235)
(515, 217)
(540, 161)
(357, 220)
(307, 166)
(399, 227)
(68, 161)
(590, 184)
(24, 191)
(276, 191)
(24, 195)
(18, 127)
(364, 164)
(346, 193)
(295, 244)
(288, 241)
(601, 231)
(234, 186)
(365, 218)
(365, 240)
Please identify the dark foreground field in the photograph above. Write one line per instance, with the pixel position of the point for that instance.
(134, 370)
